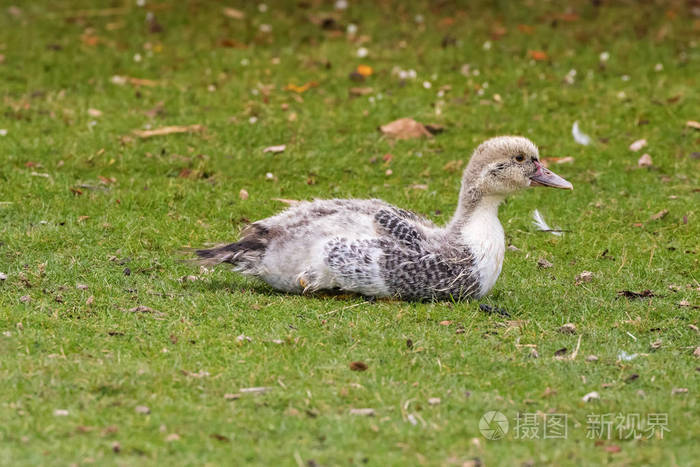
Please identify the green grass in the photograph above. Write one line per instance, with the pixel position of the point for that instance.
(99, 361)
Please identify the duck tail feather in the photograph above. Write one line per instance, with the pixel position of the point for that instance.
(224, 253)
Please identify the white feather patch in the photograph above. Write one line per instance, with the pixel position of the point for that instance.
(541, 224)
(579, 136)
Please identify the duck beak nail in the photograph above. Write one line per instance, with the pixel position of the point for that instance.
(545, 177)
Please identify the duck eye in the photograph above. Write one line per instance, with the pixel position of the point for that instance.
(519, 158)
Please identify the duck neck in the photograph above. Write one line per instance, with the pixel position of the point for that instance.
(475, 212)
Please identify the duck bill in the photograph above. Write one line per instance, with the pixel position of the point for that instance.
(545, 177)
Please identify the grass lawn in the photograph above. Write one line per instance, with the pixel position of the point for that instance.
(111, 354)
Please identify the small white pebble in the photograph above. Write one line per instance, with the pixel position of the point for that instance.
(92, 123)
(487, 45)
(351, 29)
(621, 95)
(427, 84)
(389, 172)
(253, 120)
(658, 67)
(3, 132)
(269, 176)
(262, 8)
(476, 72)
(485, 85)
(140, 2)
(137, 58)
(245, 62)
(211, 88)
(604, 56)
(341, 4)
(60, 412)
(625, 77)
(362, 52)
(265, 28)
(3, 276)
(418, 18)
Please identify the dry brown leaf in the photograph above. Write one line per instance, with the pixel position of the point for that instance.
(645, 161)
(538, 55)
(360, 91)
(122, 80)
(659, 215)
(299, 89)
(168, 130)
(289, 202)
(364, 70)
(275, 149)
(233, 13)
(405, 128)
(358, 366)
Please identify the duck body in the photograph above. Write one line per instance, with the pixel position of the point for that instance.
(374, 249)
(367, 247)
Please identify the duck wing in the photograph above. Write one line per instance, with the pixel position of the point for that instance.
(402, 226)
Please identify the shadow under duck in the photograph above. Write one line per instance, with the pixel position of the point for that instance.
(374, 249)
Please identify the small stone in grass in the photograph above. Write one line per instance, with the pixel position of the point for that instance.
(592, 358)
(585, 276)
(659, 215)
(544, 264)
(568, 328)
(434, 401)
(3, 276)
(255, 390)
(142, 409)
(81, 287)
(645, 161)
(637, 145)
(25, 298)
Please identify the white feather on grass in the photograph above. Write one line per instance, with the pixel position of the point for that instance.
(579, 136)
(542, 225)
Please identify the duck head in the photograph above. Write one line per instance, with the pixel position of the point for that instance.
(506, 164)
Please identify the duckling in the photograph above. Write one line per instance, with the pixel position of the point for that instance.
(369, 247)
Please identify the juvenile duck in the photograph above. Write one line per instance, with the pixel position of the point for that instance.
(372, 248)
